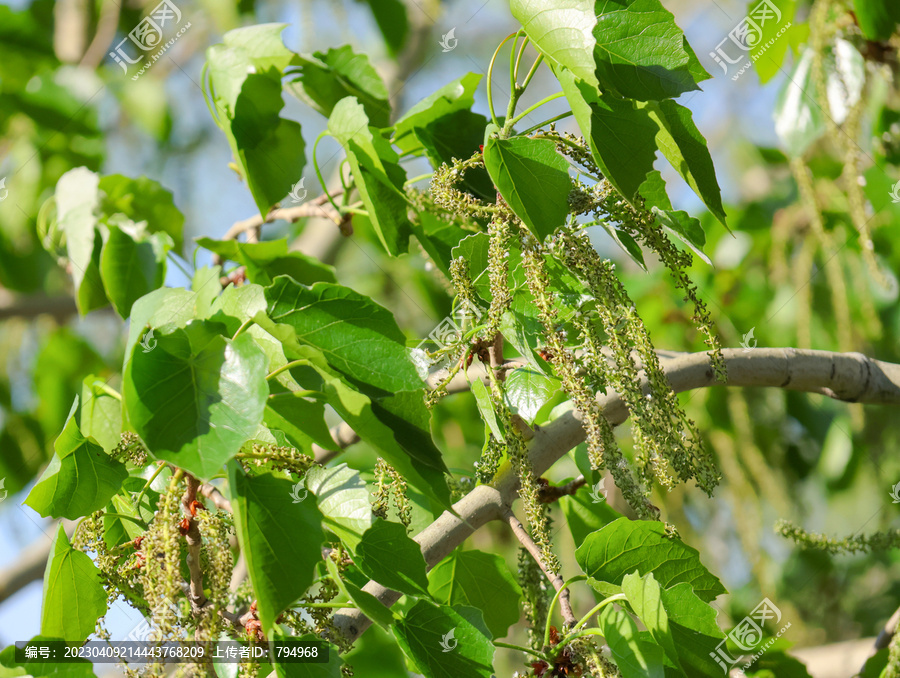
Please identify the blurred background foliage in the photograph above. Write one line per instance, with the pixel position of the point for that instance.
(795, 271)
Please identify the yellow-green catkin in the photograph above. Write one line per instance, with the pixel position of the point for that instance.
(161, 571)
(602, 448)
(877, 541)
(390, 486)
(215, 556)
(278, 457)
(535, 598)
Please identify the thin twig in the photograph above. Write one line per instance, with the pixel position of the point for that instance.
(525, 539)
(317, 207)
(194, 541)
(550, 493)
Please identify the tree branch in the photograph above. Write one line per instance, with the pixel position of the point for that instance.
(851, 377)
(317, 207)
(30, 564)
(194, 542)
(534, 550)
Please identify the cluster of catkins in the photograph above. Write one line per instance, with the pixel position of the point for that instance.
(596, 344)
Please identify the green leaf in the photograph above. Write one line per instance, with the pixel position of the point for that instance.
(481, 580)
(270, 149)
(641, 53)
(301, 420)
(527, 391)
(684, 227)
(692, 624)
(80, 478)
(245, 74)
(209, 403)
(621, 136)
(386, 554)
(370, 606)
(357, 336)
(798, 117)
(377, 655)
(268, 521)
(685, 148)
(267, 260)
(324, 78)
(143, 199)
(74, 597)
(132, 267)
(774, 664)
(206, 284)
(77, 205)
(877, 19)
(626, 243)
(585, 515)
(769, 63)
(645, 599)
(427, 630)
(438, 238)
(563, 31)
(624, 546)
(635, 654)
(119, 530)
(100, 416)
(453, 97)
(458, 135)
(390, 15)
(162, 310)
(398, 426)
(344, 501)
(533, 179)
(486, 409)
(376, 172)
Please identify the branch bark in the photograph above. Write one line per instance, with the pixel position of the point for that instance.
(851, 377)
(534, 550)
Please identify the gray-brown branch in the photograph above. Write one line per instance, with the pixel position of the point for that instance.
(534, 550)
(851, 377)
